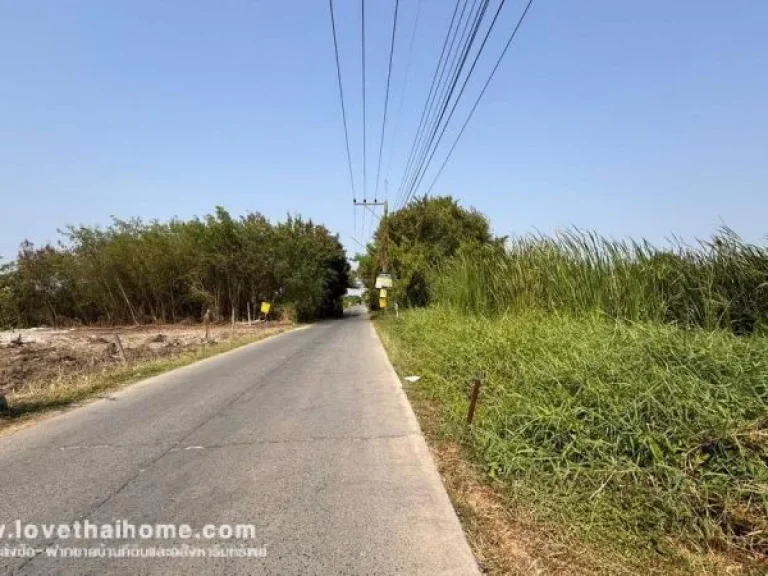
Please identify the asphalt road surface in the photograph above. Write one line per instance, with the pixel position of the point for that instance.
(306, 436)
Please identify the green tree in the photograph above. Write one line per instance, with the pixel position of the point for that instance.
(422, 236)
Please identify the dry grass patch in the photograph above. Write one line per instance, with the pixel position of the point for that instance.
(64, 385)
(502, 540)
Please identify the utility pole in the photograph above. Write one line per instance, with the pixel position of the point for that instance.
(385, 239)
(384, 248)
(384, 255)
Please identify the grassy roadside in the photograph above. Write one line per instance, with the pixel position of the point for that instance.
(599, 447)
(34, 402)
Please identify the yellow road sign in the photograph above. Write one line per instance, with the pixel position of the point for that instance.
(382, 303)
(265, 307)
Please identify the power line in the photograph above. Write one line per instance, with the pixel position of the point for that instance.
(368, 211)
(405, 86)
(373, 211)
(417, 182)
(372, 231)
(365, 178)
(430, 97)
(428, 151)
(482, 92)
(447, 66)
(386, 98)
(358, 242)
(464, 49)
(341, 96)
(431, 88)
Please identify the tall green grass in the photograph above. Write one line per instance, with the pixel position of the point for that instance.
(637, 434)
(625, 385)
(720, 283)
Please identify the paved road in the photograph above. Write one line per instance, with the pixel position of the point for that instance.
(307, 436)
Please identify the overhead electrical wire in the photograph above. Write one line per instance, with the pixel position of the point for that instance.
(372, 210)
(477, 101)
(457, 67)
(364, 217)
(404, 90)
(482, 92)
(431, 95)
(439, 107)
(358, 242)
(443, 80)
(428, 150)
(386, 98)
(431, 89)
(362, 26)
(341, 96)
(365, 159)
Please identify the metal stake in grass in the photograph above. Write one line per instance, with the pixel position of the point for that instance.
(473, 400)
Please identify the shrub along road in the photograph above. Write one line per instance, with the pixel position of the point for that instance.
(307, 436)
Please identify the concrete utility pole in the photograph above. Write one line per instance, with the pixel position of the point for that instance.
(384, 247)
(384, 254)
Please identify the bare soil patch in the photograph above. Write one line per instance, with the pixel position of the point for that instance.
(41, 357)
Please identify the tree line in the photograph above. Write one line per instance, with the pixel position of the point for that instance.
(139, 272)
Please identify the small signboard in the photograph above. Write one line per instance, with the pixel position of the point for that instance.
(265, 307)
(383, 293)
(382, 303)
(384, 281)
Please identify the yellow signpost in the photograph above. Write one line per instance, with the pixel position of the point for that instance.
(265, 307)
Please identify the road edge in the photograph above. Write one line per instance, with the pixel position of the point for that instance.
(425, 454)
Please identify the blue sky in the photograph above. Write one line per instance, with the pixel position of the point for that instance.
(631, 118)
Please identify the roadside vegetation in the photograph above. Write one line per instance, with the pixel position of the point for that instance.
(624, 404)
(204, 271)
(352, 300)
(721, 283)
(423, 236)
(134, 272)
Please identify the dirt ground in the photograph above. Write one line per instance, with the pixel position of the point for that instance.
(39, 356)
